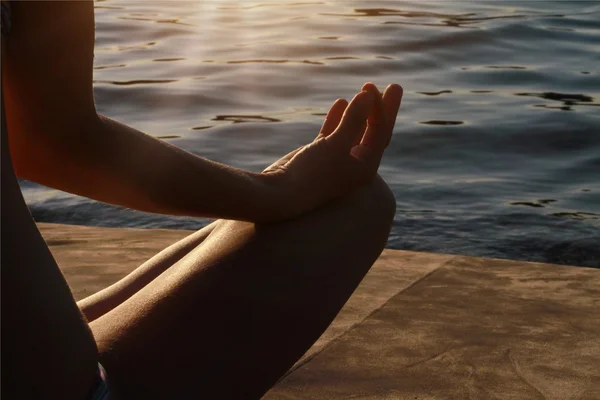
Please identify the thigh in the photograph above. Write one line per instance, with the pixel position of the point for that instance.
(230, 317)
(98, 304)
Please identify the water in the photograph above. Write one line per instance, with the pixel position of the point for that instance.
(496, 151)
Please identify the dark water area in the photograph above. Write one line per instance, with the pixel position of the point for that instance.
(496, 151)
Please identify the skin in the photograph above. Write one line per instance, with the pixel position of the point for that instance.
(239, 301)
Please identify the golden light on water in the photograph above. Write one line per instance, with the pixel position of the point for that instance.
(500, 90)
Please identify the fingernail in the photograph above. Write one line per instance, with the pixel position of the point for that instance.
(395, 86)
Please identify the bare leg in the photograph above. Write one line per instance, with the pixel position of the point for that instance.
(98, 304)
(234, 314)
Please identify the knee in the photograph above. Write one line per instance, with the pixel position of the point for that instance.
(380, 202)
(384, 199)
(374, 207)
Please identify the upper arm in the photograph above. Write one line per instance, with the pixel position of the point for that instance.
(47, 77)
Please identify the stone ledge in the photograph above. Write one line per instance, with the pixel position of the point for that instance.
(420, 326)
(472, 329)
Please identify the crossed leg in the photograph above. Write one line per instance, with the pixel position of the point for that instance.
(242, 302)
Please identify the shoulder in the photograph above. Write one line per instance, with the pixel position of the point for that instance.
(47, 71)
(49, 58)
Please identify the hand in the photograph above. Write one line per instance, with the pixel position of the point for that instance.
(346, 153)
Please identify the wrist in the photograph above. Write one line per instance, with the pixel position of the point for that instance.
(273, 202)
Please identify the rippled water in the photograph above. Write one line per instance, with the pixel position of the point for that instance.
(497, 148)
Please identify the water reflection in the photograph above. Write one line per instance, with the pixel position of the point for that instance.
(137, 82)
(343, 58)
(176, 21)
(258, 61)
(456, 162)
(435, 93)
(567, 99)
(314, 3)
(110, 66)
(388, 12)
(578, 215)
(168, 59)
(142, 46)
(237, 119)
(536, 204)
(108, 7)
(505, 67)
(461, 20)
(440, 122)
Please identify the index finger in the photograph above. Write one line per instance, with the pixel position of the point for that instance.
(375, 135)
(354, 119)
(392, 98)
(333, 118)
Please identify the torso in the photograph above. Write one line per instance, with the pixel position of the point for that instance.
(47, 345)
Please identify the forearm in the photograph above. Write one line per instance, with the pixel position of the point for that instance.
(116, 164)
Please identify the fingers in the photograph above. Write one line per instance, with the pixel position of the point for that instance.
(380, 127)
(383, 118)
(333, 118)
(392, 98)
(353, 121)
(374, 136)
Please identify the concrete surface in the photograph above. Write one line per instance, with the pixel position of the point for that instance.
(420, 326)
